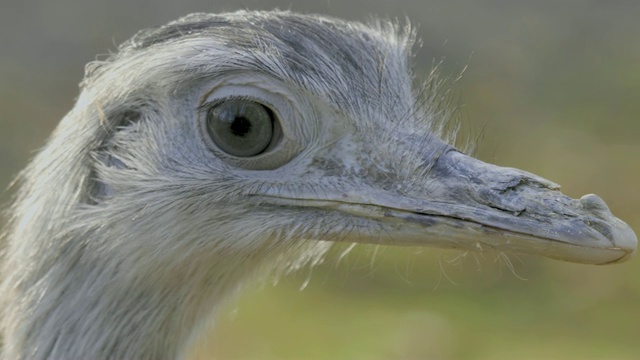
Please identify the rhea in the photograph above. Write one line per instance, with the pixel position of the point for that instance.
(218, 147)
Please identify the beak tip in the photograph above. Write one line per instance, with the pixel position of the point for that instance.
(618, 232)
(625, 239)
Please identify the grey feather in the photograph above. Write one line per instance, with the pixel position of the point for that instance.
(128, 230)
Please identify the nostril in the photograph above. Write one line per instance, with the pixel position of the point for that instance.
(592, 202)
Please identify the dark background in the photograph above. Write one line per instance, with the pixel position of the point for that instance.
(551, 87)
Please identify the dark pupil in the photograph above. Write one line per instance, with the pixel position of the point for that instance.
(240, 126)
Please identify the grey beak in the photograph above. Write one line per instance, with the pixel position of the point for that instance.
(466, 204)
(512, 210)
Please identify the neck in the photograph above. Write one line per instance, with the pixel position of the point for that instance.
(83, 306)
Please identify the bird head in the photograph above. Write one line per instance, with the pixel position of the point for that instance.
(239, 137)
(249, 135)
(218, 145)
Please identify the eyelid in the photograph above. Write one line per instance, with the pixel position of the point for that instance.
(207, 104)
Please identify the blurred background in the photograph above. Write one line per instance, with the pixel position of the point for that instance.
(551, 87)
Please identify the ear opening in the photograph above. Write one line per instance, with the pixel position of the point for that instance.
(105, 158)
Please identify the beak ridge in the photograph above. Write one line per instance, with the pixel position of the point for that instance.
(514, 201)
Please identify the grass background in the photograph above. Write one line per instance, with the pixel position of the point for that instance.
(553, 87)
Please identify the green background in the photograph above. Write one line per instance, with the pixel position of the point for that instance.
(552, 87)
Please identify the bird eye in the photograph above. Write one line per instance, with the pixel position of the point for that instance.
(240, 127)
